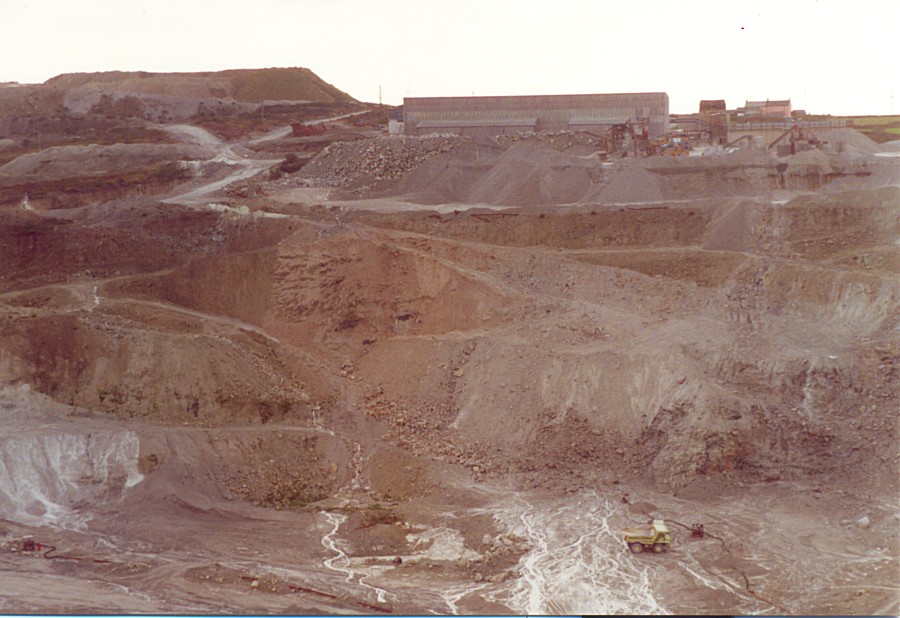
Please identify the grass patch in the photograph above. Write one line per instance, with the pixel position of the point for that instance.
(868, 121)
(879, 129)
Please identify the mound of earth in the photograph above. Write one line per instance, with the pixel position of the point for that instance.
(840, 139)
(164, 97)
(245, 86)
(561, 169)
(360, 164)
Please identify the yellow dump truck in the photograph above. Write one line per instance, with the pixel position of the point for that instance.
(656, 537)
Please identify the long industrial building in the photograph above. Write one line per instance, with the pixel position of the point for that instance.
(477, 116)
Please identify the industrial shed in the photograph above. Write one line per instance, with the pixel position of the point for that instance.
(475, 116)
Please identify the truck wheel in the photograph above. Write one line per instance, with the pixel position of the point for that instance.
(636, 548)
(659, 548)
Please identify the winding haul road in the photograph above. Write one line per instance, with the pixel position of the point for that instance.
(224, 153)
(244, 167)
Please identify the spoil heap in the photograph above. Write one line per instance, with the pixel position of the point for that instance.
(361, 165)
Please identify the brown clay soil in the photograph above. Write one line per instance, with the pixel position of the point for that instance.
(442, 376)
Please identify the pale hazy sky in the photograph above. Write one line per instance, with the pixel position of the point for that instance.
(827, 56)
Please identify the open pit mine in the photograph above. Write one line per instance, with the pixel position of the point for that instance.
(268, 349)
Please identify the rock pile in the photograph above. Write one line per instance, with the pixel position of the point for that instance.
(424, 431)
(499, 558)
(280, 471)
(360, 163)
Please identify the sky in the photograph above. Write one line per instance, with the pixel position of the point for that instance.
(827, 56)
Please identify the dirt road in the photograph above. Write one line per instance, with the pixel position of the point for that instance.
(244, 167)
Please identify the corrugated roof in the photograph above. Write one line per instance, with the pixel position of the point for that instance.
(610, 96)
(766, 103)
(477, 122)
(601, 121)
(609, 114)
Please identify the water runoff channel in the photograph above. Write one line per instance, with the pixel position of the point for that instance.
(578, 563)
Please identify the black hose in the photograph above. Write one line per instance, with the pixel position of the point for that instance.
(51, 549)
(749, 590)
(720, 539)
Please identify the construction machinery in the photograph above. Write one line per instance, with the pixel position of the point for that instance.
(794, 140)
(656, 538)
(675, 144)
(629, 138)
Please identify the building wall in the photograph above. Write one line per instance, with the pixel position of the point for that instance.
(395, 127)
(712, 105)
(768, 109)
(544, 112)
(782, 110)
(488, 131)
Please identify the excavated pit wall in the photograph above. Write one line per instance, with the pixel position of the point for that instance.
(58, 478)
(596, 327)
(772, 413)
